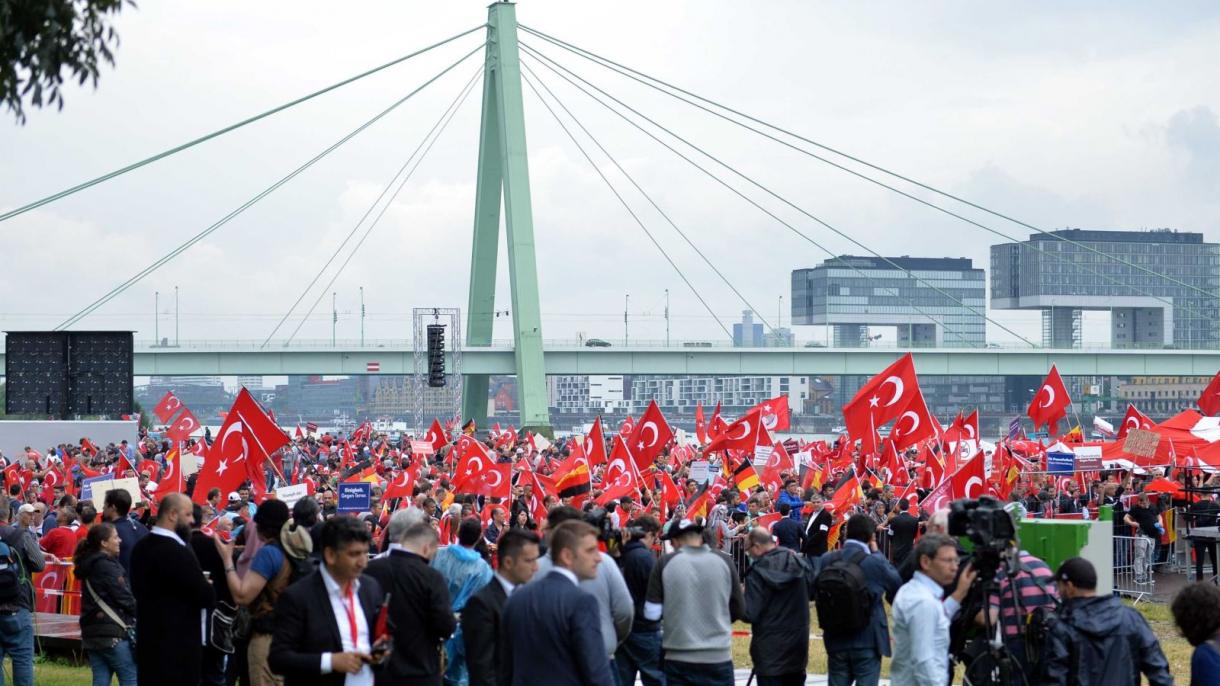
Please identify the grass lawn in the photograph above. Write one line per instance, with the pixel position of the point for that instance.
(61, 672)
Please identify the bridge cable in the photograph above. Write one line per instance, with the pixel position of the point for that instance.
(629, 73)
(461, 96)
(220, 132)
(614, 161)
(626, 206)
(633, 74)
(249, 203)
(750, 180)
(444, 123)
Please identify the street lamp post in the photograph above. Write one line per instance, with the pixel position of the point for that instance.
(666, 317)
(156, 317)
(176, 339)
(334, 318)
(626, 306)
(362, 316)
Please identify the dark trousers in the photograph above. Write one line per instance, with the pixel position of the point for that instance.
(861, 666)
(640, 653)
(797, 679)
(212, 667)
(1201, 547)
(698, 674)
(237, 671)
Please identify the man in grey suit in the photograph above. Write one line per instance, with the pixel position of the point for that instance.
(550, 631)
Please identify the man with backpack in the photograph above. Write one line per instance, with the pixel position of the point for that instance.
(847, 594)
(777, 606)
(19, 558)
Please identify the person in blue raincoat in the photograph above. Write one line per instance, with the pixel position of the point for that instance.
(465, 572)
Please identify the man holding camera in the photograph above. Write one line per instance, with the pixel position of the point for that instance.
(1098, 640)
(641, 652)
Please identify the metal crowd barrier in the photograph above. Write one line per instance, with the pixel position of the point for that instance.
(1134, 559)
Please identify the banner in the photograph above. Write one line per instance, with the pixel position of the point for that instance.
(1060, 463)
(291, 494)
(1088, 458)
(699, 472)
(356, 497)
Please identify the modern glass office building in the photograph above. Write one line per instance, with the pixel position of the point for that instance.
(941, 305)
(1062, 278)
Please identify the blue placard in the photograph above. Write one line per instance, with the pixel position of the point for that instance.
(355, 497)
(86, 489)
(1060, 463)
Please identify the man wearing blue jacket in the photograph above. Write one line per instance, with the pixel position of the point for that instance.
(856, 656)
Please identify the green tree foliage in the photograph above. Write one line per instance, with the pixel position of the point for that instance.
(44, 42)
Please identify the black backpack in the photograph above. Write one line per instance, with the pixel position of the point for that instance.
(11, 568)
(842, 596)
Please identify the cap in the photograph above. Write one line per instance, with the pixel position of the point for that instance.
(1079, 572)
(677, 527)
(152, 487)
(27, 508)
(233, 497)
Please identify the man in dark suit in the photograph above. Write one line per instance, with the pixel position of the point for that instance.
(419, 607)
(903, 527)
(325, 624)
(518, 555)
(817, 528)
(171, 597)
(788, 532)
(551, 629)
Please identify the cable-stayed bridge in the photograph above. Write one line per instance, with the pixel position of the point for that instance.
(517, 59)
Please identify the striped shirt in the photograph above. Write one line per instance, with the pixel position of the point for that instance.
(1033, 595)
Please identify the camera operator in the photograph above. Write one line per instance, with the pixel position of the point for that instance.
(1098, 640)
(641, 652)
(1020, 595)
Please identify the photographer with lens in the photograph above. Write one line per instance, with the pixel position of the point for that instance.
(1097, 639)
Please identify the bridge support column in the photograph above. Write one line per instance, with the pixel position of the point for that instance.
(504, 172)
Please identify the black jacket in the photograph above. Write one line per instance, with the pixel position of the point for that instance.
(1101, 642)
(778, 587)
(420, 614)
(170, 592)
(481, 632)
(305, 627)
(817, 527)
(904, 526)
(25, 545)
(636, 563)
(130, 533)
(552, 635)
(883, 582)
(106, 578)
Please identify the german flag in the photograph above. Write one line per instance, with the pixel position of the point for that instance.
(699, 504)
(740, 472)
(846, 494)
(572, 477)
(832, 536)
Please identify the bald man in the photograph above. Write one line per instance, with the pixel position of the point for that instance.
(172, 597)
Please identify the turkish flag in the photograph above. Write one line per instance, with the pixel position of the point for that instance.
(700, 425)
(742, 434)
(168, 405)
(970, 480)
(436, 436)
(1209, 400)
(473, 460)
(401, 486)
(670, 494)
(621, 461)
(626, 427)
(245, 440)
(774, 413)
(885, 397)
(595, 444)
(778, 462)
(915, 424)
(182, 428)
(938, 499)
(716, 425)
(1134, 419)
(171, 480)
(494, 482)
(650, 436)
(1050, 403)
(890, 459)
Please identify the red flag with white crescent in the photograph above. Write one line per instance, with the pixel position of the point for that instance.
(246, 439)
(970, 480)
(1134, 419)
(166, 407)
(1050, 403)
(649, 436)
(595, 444)
(700, 424)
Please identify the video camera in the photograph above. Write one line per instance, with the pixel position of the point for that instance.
(988, 526)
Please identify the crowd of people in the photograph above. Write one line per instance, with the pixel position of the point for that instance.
(446, 585)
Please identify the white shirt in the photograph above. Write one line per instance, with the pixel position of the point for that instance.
(338, 605)
(569, 574)
(921, 634)
(508, 585)
(162, 531)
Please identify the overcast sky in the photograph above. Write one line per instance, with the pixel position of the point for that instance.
(1095, 115)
